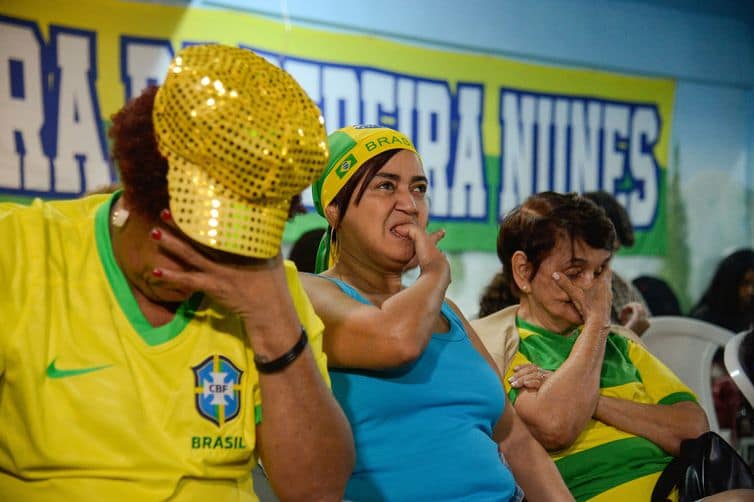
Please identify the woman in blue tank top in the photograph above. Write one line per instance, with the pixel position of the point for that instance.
(423, 398)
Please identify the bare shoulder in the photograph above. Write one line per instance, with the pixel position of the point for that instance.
(462, 317)
(326, 296)
(452, 305)
(314, 283)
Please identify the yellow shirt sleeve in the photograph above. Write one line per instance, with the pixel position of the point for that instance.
(518, 359)
(309, 320)
(660, 383)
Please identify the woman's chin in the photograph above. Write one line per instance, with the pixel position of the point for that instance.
(572, 316)
(162, 294)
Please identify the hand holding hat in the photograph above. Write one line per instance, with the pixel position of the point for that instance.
(241, 138)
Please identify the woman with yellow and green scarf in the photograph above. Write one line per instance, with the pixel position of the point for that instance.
(424, 400)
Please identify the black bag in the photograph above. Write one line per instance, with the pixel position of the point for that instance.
(707, 465)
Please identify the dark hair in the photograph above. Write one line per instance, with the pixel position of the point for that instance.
(143, 170)
(304, 250)
(617, 214)
(496, 296)
(660, 297)
(720, 302)
(535, 226)
(367, 172)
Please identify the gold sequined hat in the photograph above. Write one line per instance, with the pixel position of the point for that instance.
(241, 138)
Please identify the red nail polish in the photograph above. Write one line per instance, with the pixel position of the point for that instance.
(165, 215)
(156, 234)
(157, 272)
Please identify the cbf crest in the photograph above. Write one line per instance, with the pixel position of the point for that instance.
(217, 386)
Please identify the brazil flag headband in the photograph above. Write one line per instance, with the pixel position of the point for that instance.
(350, 147)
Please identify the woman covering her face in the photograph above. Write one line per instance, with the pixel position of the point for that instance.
(610, 413)
(424, 400)
(154, 342)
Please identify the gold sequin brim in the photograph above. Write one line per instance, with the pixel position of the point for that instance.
(215, 216)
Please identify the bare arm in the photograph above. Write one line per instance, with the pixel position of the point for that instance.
(529, 462)
(387, 335)
(304, 439)
(556, 414)
(531, 466)
(664, 425)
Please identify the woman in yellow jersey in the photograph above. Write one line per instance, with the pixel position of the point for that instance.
(611, 415)
(155, 345)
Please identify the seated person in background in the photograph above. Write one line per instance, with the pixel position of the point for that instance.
(659, 295)
(728, 302)
(497, 295)
(629, 308)
(729, 298)
(611, 414)
(425, 403)
(139, 356)
(304, 251)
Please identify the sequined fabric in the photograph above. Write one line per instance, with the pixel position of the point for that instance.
(241, 138)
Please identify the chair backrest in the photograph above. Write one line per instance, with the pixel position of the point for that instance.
(687, 347)
(739, 361)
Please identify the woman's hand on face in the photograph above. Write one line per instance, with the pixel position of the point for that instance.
(594, 302)
(634, 316)
(426, 252)
(235, 282)
(528, 376)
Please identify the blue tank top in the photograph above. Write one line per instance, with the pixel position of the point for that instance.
(424, 431)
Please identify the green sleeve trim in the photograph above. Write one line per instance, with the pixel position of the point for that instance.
(258, 414)
(122, 291)
(512, 395)
(677, 397)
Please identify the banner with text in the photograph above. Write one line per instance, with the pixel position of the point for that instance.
(491, 131)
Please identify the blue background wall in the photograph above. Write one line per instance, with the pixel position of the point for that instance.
(706, 46)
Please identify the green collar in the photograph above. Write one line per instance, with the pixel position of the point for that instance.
(122, 291)
(571, 332)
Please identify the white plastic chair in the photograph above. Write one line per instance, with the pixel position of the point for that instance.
(735, 363)
(687, 347)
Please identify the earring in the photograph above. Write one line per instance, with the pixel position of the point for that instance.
(119, 217)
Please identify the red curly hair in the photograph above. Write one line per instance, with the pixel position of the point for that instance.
(143, 170)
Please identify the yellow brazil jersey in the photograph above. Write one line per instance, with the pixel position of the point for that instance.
(606, 463)
(95, 403)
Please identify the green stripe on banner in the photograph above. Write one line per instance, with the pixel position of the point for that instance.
(596, 470)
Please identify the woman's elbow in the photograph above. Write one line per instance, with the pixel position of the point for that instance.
(321, 492)
(406, 351)
(691, 427)
(328, 485)
(555, 435)
(696, 425)
(555, 442)
(693, 420)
